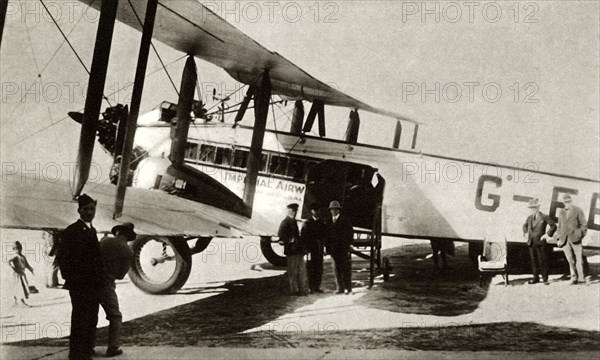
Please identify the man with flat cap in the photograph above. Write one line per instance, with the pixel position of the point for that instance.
(117, 258)
(289, 235)
(78, 257)
(572, 227)
(535, 229)
(313, 236)
(340, 234)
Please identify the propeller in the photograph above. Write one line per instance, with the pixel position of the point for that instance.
(77, 116)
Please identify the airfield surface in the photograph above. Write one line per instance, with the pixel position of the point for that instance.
(235, 299)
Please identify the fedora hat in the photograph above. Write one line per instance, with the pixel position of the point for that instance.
(126, 228)
(534, 203)
(567, 198)
(334, 205)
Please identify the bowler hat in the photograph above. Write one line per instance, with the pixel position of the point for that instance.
(293, 206)
(566, 198)
(334, 205)
(315, 206)
(85, 199)
(126, 229)
(534, 203)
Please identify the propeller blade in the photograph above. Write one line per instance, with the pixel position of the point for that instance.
(77, 116)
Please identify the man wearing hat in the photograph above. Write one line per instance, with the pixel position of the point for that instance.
(340, 234)
(572, 227)
(78, 257)
(117, 258)
(313, 236)
(289, 235)
(535, 229)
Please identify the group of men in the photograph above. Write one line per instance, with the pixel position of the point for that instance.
(572, 228)
(333, 234)
(90, 269)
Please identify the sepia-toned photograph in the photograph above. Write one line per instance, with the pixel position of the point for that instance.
(308, 179)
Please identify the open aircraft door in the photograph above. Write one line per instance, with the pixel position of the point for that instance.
(359, 188)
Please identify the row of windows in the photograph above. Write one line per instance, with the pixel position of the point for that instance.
(288, 166)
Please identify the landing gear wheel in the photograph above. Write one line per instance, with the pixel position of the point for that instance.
(161, 265)
(266, 246)
(386, 268)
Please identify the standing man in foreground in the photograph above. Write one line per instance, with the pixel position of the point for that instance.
(340, 234)
(535, 229)
(117, 257)
(78, 256)
(289, 235)
(313, 236)
(572, 227)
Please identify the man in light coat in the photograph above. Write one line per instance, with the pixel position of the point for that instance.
(572, 227)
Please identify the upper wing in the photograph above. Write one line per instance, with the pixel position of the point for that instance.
(192, 28)
(47, 205)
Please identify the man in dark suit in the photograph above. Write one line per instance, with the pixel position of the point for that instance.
(313, 236)
(78, 256)
(340, 234)
(534, 229)
(294, 250)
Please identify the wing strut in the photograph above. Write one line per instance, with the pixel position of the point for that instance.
(297, 118)
(3, 9)
(184, 109)
(317, 108)
(93, 100)
(244, 105)
(136, 99)
(262, 99)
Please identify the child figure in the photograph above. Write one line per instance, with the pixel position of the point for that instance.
(19, 264)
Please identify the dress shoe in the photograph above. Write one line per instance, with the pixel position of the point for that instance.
(337, 292)
(534, 281)
(111, 352)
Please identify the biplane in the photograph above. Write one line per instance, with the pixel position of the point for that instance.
(226, 179)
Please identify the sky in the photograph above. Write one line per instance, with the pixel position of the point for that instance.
(508, 82)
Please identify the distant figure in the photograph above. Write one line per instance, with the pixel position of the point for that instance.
(19, 264)
(289, 235)
(78, 256)
(117, 258)
(534, 229)
(340, 235)
(572, 227)
(313, 236)
(52, 239)
(441, 248)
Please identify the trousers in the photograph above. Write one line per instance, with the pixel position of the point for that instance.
(84, 319)
(110, 303)
(297, 273)
(574, 255)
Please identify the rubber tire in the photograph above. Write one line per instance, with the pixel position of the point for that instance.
(183, 267)
(266, 247)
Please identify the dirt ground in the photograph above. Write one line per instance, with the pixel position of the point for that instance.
(414, 288)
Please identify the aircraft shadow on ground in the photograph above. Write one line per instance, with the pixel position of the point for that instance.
(219, 320)
(416, 287)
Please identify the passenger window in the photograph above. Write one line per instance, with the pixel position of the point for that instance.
(191, 151)
(240, 158)
(278, 165)
(296, 169)
(223, 156)
(207, 153)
